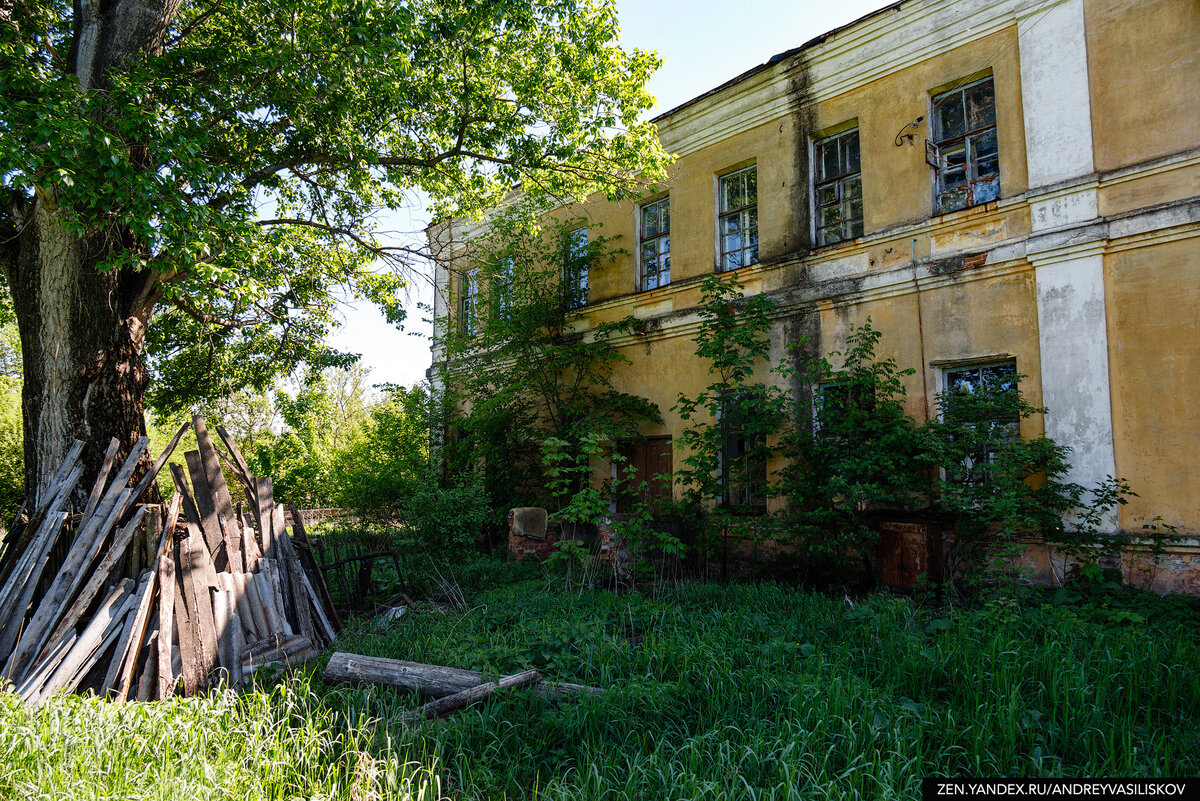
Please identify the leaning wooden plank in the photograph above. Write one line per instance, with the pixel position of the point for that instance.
(296, 597)
(192, 516)
(47, 666)
(242, 470)
(224, 615)
(206, 511)
(250, 549)
(266, 582)
(12, 613)
(26, 553)
(308, 558)
(449, 703)
(212, 469)
(126, 472)
(196, 568)
(100, 575)
(101, 651)
(110, 456)
(54, 603)
(166, 603)
(44, 500)
(235, 584)
(109, 617)
(128, 634)
(147, 678)
(258, 611)
(132, 649)
(264, 516)
(186, 657)
(153, 472)
(432, 680)
(330, 633)
(233, 552)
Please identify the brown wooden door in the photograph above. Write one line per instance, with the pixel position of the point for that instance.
(650, 459)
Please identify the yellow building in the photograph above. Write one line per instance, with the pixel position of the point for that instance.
(995, 183)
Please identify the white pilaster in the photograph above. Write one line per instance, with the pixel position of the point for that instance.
(1073, 335)
(1054, 92)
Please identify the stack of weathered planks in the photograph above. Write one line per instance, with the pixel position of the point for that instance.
(87, 603)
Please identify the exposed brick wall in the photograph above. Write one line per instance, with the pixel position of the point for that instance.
(520, 546)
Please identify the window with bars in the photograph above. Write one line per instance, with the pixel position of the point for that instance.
(654, 244)
(838, 209)
(468, 301)
(964, 151)
(738, 219)
(575, 268)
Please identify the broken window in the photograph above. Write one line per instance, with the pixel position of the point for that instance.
(964, 151)
(654, 248)
(575, 268)
(834, 401)
(738, 219)
(838, 209)
(468, 297)
(743, 465)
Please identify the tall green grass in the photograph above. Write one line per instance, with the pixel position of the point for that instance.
(721, 692)
(748, 692)
(277, 744)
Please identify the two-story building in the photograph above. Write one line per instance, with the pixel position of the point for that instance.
(1000, 185)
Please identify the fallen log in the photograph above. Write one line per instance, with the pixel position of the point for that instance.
(449, 703)
(435, 681)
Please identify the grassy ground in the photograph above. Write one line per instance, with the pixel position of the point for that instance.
(745, 691)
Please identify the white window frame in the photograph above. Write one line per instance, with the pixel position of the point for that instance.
(657, 238)
(722, 213)
(468, 301)
(814, 196)
(577, 285)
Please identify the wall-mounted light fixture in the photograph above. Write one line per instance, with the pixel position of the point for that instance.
(911, 136)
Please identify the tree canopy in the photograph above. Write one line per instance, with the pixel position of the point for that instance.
(228, 159)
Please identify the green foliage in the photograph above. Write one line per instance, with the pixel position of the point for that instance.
(387, 458)
(524, 376)
(1004, 488)
(237, 164)
(12, 438)
(734, 421)
(857, 452)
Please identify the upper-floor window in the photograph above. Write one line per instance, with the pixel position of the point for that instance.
(738, 219)
(964, 150)
(468, 301)
(839, 207)
(654, 244)
(575, 268)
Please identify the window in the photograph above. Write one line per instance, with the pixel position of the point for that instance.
(502, 286)
(468, 297)
(738, 219)
(964, 152)
(743, 463)
(654, 244)
(838, 209)
(575, 269)
(836, 400)
(982, 398)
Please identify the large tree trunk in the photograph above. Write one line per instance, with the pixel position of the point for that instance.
(82, 333)
(82, 330)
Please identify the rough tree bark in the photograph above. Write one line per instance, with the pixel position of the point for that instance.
(82, 330)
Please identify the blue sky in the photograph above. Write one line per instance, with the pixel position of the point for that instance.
(703, 43)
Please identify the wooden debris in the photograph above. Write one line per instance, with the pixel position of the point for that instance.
(435, 681)
(138, 611)
(449, 703)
